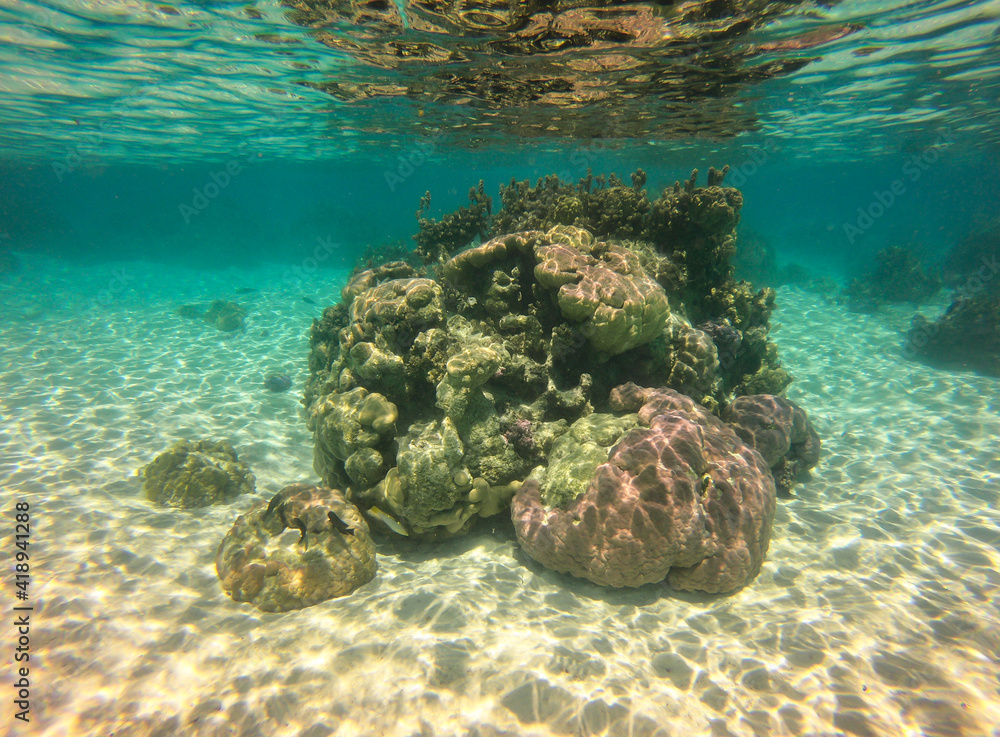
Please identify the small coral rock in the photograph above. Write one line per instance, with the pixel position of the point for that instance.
(308, 545)
(226, 316)
(681, 498)
(781, 433)
(196, 474)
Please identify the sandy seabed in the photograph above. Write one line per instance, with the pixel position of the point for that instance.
(876, 612)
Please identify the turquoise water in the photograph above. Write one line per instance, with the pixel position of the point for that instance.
(157, 158)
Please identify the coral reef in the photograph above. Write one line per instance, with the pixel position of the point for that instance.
(897, 277)
(748, 363)
(605, 206)
(436, 239)
(576, 455)
(482, 371)
(780, 431)
(697, 227)
(966, 337)
(435, 393)
(196, 474)
(684, 240)
(680, 498)
(975, 256)
(694, 362)
(258, 562)
(602, 288)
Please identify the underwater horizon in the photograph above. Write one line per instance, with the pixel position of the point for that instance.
(483, 369)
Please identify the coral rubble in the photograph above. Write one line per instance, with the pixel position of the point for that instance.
(260, 563)
(196, 474)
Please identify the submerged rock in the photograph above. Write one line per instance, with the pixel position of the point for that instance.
(226, 316)
(196, 474)
(333, 554)
(897, 277)
(435, 392)
(278, 383)
(965, 338)
(190, 312)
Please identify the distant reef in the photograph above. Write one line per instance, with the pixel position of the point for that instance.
(967, 336)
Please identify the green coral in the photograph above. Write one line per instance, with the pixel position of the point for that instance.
(577, 454)
(602, 288)
(605, 206)
(196, 474)
(353, 435)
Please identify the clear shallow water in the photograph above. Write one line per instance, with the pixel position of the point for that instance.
(158, 154)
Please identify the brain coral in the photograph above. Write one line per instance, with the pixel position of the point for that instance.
(681, 498)
(602, 287)
(196, 474)
(333, 555)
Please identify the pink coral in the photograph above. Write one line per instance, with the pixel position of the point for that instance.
(680, 498)
(780, 431)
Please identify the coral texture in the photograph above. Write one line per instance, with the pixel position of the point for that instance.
(436, 239)
(685, 240)
(680, 498)
(259, 562)
(780, 431)
(433, 400)
(196, 474)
